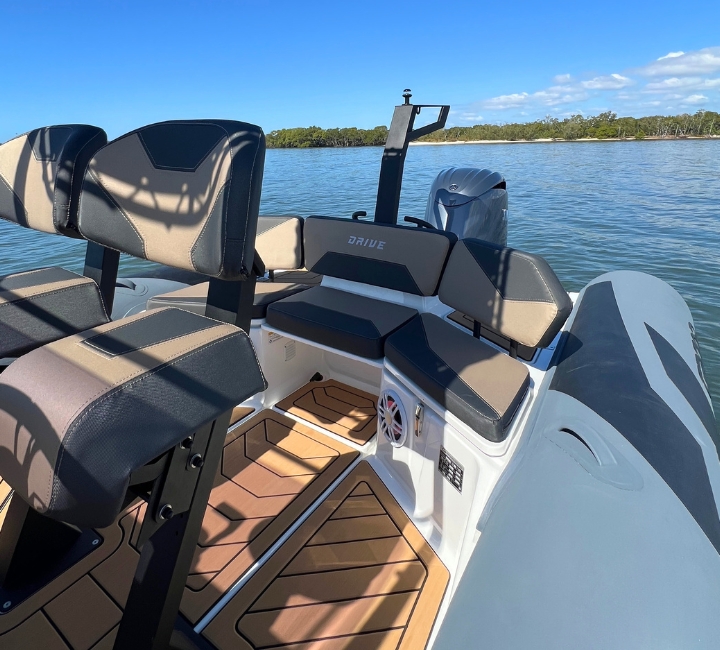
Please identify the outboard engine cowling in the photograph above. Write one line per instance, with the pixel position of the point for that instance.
(469, 202)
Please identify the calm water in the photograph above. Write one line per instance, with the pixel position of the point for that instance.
(586, 207)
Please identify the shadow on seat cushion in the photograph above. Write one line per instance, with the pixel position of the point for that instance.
(476, 383)
(339, 319)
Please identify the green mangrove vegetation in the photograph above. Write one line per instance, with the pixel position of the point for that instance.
(603, 126)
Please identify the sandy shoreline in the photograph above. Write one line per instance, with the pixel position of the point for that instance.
(546, 140)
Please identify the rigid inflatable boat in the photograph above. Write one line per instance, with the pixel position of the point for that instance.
(335, 432)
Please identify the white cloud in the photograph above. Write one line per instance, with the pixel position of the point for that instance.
(683, 64)
(608, 82)
(506, 101)
(681, 83)
(693, 100)
(678, 81)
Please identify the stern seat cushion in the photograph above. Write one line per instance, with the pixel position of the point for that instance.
(140, 386)
(194, 298)
(479, 385)
(37, 307)
(338, 319)
(514, 293)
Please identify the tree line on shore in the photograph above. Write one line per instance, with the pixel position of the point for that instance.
(603, 126)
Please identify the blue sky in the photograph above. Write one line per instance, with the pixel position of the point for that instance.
(126, 63)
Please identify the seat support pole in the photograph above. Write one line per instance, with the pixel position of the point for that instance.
(167, 554)
(231, 301)
(101, 265)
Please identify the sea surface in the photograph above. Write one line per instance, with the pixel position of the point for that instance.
(587, 207)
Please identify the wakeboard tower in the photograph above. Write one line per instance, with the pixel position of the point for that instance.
(331, 432)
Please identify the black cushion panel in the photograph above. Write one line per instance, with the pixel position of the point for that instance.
(432, 353)
(404, 259)
(340, 320)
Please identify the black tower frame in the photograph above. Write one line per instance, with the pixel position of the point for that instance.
(401, 134)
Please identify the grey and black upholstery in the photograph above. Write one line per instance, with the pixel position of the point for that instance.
(140, 385)
(194, 297)
(40, 179)
(37, 307)
(515, 293)
(393, 257)
(280, 246)
(41, 175)
(140, 406)
(279, 242)
(182, 193)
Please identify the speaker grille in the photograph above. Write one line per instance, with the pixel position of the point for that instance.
(391, 416)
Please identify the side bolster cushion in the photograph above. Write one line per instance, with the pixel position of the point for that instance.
(395, 257)
(185, 194)
(513, 292)
(141, 386)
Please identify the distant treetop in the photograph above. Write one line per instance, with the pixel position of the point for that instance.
(603, 126)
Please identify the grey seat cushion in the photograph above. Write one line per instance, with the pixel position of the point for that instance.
(338, 319)
(37, 307)
(194, 298)
(140, 386)
(479, 385)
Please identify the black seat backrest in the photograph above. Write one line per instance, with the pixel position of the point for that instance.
(515, 293)
(41, 174)
(395, 257)
(182, 193)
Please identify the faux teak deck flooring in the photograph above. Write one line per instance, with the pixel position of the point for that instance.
(357, 575)
(272, 470)
(347, 412)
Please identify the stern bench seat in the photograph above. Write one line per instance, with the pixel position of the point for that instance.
(479, 385)
(514, 293)
(403, 259)
(345, 321)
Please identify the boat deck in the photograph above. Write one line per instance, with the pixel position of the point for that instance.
(347, 412)
(355, 574)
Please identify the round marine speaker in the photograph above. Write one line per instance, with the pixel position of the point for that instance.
(391, 416)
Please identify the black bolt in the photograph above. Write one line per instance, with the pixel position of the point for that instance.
(196, 462)
(187, 443)
(166, 512)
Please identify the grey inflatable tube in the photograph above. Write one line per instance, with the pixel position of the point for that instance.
(604, 531)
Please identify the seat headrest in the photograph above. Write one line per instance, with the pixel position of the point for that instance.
(41, 175)
(515, 293)
(395, 257)
(279, 242)
(182, 193)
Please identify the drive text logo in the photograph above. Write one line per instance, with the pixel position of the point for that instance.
(369, 243)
